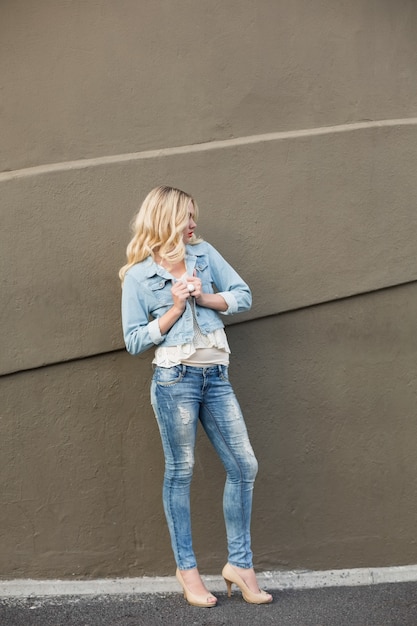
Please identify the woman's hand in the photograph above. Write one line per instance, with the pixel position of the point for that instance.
(180, 294)
(209, 300)
(193, 285)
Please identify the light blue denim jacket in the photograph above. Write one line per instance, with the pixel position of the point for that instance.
(147, 295)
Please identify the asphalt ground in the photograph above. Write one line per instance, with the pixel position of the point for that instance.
(391, 604)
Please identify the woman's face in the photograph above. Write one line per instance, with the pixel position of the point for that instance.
(191, 226)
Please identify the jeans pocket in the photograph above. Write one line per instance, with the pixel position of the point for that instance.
(165, 376)
(224, 373)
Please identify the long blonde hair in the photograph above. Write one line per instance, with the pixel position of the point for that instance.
(158, 227)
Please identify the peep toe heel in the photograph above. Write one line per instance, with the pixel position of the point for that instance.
(230, 576)
(193, 599)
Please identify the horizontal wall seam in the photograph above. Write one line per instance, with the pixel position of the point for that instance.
(235, 323)
(279, 580)
(80, 164)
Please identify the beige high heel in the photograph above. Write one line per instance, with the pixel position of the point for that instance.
(193, 599)
(230, 576)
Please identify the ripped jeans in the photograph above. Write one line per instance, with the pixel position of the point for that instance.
(182, 395)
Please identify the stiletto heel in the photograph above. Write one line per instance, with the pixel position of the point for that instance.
(231, 576)
(229, 587)
(194, 600)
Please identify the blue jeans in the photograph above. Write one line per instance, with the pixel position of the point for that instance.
(180, 396)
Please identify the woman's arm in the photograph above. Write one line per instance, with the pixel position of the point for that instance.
(139, 333)
(234, 295)
(212, 301)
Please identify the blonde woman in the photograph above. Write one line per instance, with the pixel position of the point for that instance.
(174, 288)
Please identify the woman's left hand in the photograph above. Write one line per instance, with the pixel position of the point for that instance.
(194, 286)
(209, 300)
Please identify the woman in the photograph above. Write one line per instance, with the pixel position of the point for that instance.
(169, 302)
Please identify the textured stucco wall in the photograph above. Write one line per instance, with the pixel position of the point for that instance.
(294, 125)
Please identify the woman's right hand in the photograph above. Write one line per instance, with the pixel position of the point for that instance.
(180, 294)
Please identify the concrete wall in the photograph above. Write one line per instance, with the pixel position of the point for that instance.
(294, 125)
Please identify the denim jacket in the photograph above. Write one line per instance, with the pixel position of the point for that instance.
(147, 295)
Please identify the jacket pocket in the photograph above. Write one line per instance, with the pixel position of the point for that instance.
(204, 274)
(161, 290)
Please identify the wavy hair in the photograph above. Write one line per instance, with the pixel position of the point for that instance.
(158, 227)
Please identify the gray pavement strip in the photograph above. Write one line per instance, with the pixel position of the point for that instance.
(391, 604)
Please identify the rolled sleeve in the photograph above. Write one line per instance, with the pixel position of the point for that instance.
(155, 332)
(232, 303)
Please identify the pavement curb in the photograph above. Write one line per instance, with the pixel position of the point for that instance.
(297, 579)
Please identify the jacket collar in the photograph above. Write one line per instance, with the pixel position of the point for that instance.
(152, 268)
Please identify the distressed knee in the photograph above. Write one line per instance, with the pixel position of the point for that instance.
(180, 470)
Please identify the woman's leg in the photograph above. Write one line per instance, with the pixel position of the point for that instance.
(176, 406)
(223, 422)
